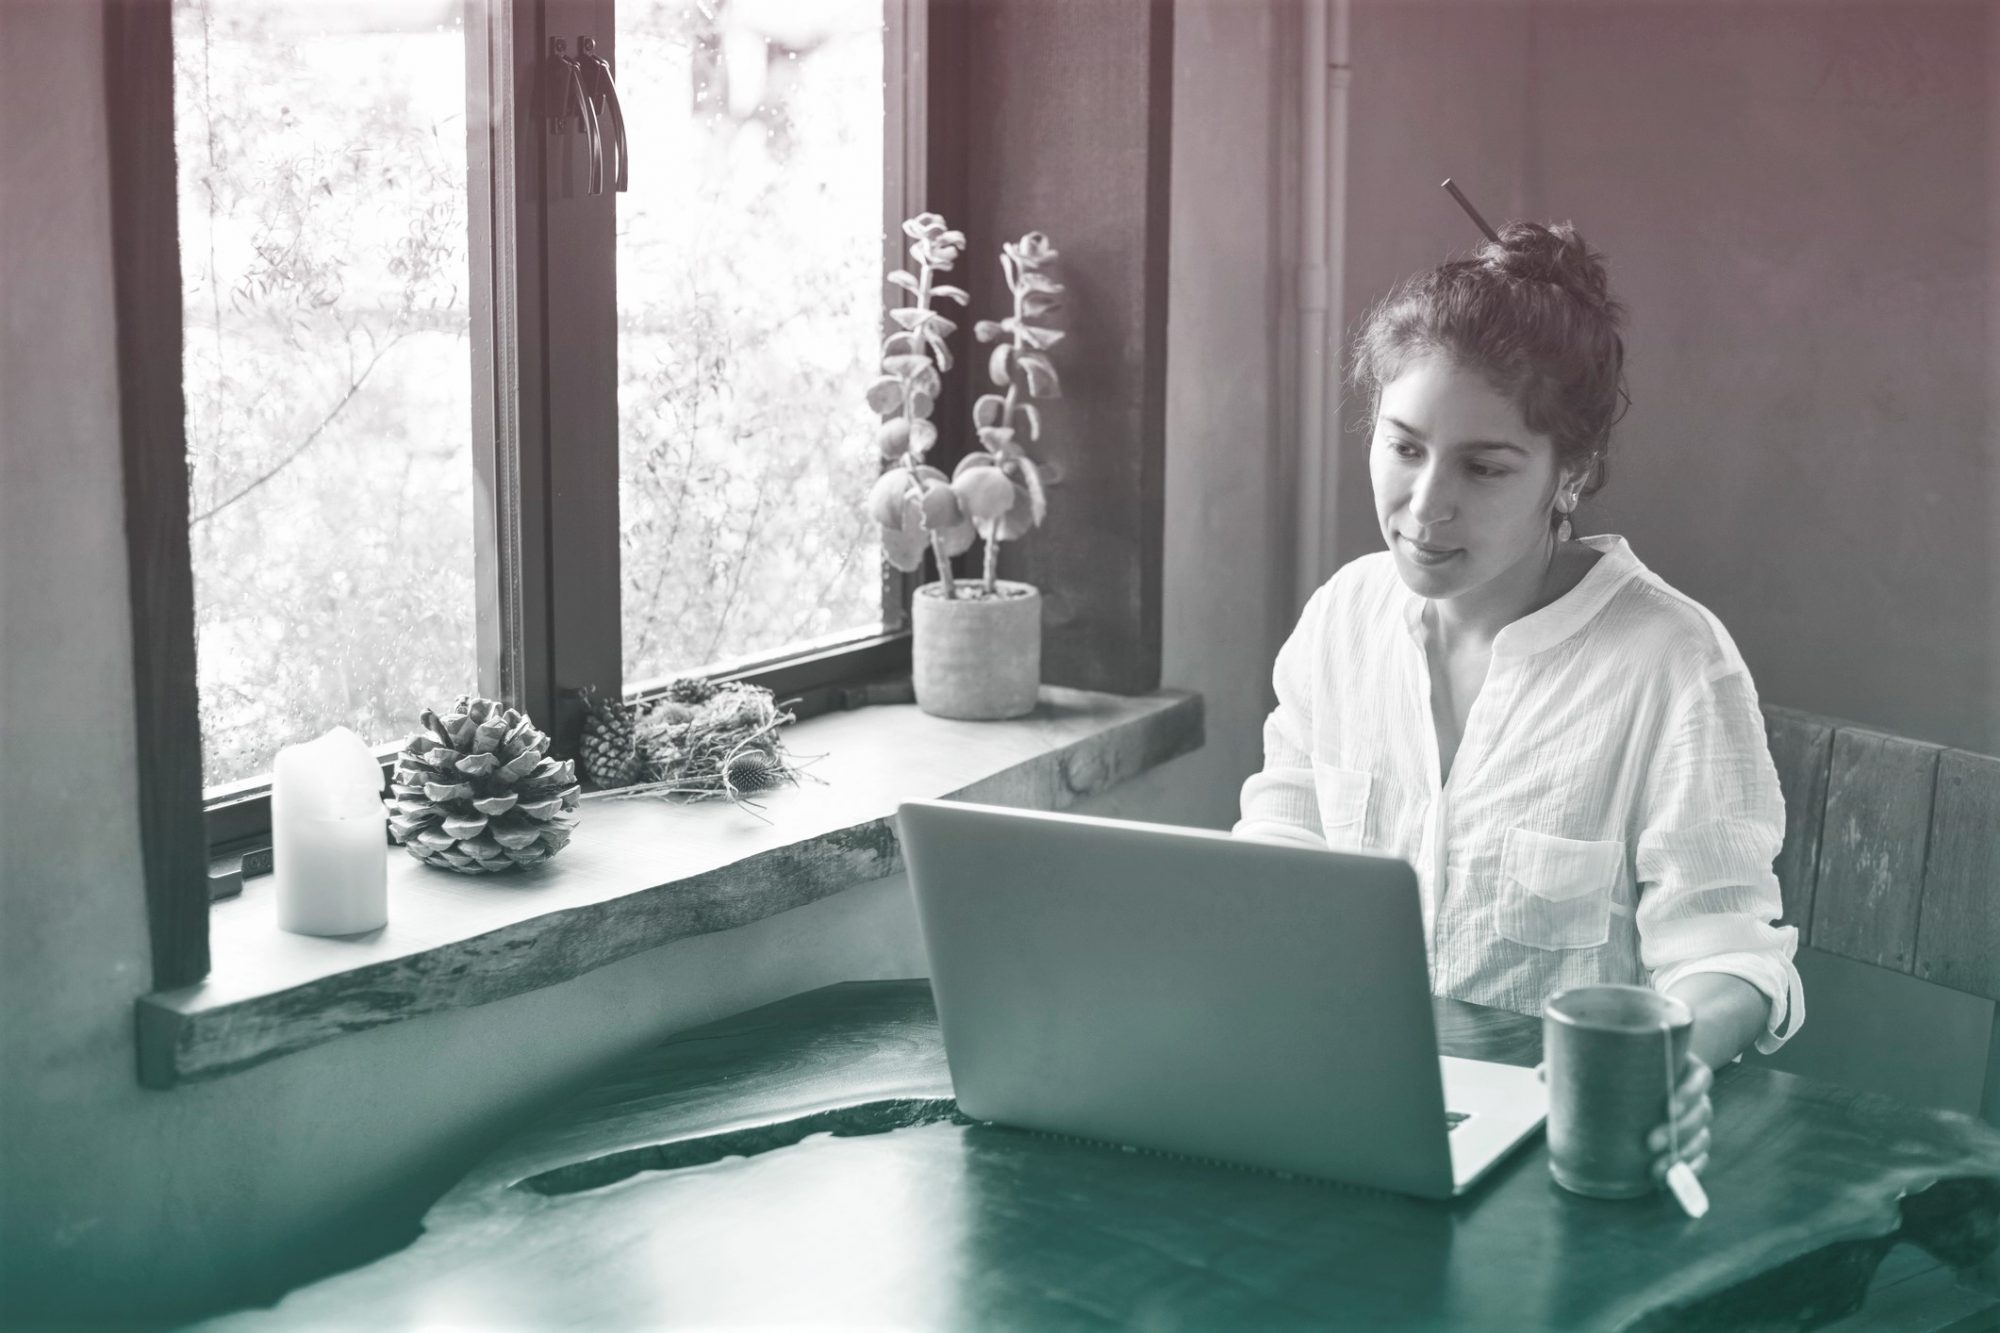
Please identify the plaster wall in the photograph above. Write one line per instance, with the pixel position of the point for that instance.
(116, 1202)
(1801, 207)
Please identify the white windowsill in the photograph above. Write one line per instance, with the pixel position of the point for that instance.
(638, 874)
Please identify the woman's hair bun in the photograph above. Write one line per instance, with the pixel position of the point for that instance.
(1533, 312)
(1530, 251)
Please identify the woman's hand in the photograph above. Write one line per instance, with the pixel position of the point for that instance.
(1689, 1113)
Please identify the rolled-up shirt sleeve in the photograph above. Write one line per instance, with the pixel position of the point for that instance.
(1711, 823)
(1280, 803)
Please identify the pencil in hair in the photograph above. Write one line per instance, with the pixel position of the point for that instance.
(1470, 211)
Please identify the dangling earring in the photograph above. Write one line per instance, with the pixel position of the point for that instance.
(1565, 504)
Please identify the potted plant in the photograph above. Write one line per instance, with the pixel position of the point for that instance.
(976, 643)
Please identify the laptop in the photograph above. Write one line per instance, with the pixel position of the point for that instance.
(1187, 992)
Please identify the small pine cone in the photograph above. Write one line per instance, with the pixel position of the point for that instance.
(752, 770)
(691, 690)
(609, 749)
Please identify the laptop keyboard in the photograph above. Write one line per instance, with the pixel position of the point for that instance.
(1453, 1119)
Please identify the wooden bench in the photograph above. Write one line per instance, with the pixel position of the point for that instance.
(1891, 872)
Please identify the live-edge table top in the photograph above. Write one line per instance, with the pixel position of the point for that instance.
(695, 1184)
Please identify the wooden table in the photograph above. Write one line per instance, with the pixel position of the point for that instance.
(696, 1184)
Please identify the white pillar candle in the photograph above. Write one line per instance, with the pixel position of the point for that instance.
(329, 845)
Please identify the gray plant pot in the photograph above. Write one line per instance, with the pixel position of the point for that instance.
(976, 658)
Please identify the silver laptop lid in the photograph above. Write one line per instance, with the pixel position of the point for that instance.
(1183, 990)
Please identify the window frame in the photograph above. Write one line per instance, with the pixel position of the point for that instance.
(146, 289)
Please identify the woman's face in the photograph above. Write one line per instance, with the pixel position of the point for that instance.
(1463, 489)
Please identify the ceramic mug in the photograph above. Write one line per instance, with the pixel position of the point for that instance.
(1611, 1056)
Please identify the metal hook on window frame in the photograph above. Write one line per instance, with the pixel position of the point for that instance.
(566, 94)
(602, 93)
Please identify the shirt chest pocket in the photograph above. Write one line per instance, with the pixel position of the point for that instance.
(1343, 803)
(1556, 893)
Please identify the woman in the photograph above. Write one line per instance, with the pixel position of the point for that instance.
(1567, 750)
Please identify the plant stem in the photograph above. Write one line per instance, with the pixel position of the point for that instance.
(924, 273)
(1006, 423)
(944, 568)
(993, 533)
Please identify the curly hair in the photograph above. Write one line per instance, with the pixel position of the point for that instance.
(1531, 313)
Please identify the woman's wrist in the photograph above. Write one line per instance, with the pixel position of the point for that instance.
(1729, 1014)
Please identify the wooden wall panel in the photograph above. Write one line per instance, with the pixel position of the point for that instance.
(1872, 848)
(1859, 1021)
(1958, 935)
(1801, 746)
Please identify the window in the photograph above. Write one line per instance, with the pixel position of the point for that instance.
(1003, 117)
(723, 313)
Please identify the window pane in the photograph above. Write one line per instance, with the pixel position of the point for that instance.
(749, 295)
(327, 366)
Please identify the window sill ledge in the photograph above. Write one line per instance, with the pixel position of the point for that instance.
(640, 874)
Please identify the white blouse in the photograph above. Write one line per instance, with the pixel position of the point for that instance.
(1612, 812)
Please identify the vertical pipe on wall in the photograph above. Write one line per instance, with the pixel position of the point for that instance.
(1338, 73)
(1312, 300)
(1322, 246)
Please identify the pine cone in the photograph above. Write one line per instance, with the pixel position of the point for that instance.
(692, 690)
(609, 750)
(476, 794)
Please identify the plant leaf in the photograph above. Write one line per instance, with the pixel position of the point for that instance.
(923, 434)
(921, 403)
(940, 506)
(907, 365)
(1042, 379)
(909, 316)
(938, 348)
(1033, 416)
(1037, 337)
(998, 439)
(886, 395)
(1001, 362)
(1038, 499)
(907, 281)
(1033, 281)
(886, 498)
(951, 293)
(986, 409)
(901, 344)
(1036, 304)
(1020, 517)
(986, 330)
(925, 379)
(972, 460)
(892, 437)
(905, 546)
(958, 540)
(984, 493)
